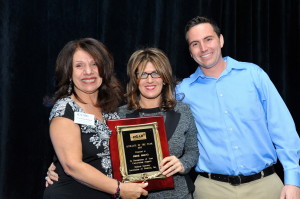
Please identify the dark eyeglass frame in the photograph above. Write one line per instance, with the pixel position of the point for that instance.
(140, 75)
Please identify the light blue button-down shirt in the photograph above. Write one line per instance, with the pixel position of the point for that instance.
(240, 117)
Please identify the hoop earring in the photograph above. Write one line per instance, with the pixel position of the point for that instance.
(70, 87)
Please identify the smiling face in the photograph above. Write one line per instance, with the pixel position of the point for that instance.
(150, 88)
(85, 75)
(205, 46)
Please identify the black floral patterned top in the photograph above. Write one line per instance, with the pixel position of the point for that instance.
(95, 151)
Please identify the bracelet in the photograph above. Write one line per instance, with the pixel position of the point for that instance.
(117, 194)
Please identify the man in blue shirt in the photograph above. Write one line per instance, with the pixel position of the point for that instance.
(243, 124)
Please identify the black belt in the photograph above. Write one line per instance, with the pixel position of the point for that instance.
(240, 179)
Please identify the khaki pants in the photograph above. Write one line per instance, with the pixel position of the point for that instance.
(265, 188)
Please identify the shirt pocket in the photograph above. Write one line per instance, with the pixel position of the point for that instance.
(246, 104)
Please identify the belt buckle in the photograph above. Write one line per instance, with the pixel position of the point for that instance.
(235, 180)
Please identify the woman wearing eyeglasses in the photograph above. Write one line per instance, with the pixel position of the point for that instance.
(150, 91)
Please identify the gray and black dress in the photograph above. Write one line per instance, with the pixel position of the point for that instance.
(182, 141)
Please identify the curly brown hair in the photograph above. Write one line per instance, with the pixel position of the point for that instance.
(110, 92)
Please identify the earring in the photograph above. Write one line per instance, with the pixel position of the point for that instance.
(70, 87)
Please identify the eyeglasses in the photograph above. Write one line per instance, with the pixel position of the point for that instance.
(145, 75)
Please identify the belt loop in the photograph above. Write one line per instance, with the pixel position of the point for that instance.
(209, 175)
(262, 174)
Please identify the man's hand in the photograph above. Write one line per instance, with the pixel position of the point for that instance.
(290, 192)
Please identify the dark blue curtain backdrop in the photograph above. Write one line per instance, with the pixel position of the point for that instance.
(32, 32)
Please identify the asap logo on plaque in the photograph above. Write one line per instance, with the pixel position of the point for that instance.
(137, 146)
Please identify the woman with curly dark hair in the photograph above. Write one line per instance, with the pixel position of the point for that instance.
(87, 95)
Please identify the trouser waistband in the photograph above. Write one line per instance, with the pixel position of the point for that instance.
(240, 179)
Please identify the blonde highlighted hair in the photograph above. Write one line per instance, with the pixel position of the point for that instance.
(137, 62)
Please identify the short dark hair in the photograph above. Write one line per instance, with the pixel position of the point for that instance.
(199, 20)
(110, 92)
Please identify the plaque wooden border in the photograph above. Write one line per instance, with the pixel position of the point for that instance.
(158, 182)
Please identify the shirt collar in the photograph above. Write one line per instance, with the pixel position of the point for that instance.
(231, 64)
